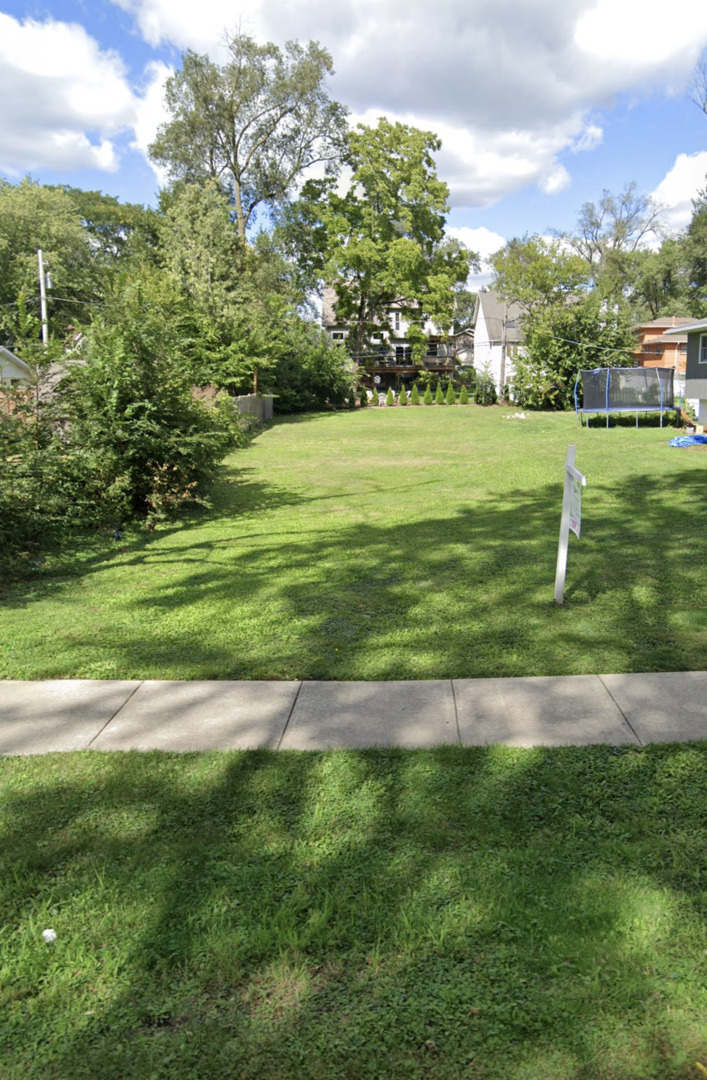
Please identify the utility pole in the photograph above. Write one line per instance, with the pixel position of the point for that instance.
(504, 325)
(43, 298)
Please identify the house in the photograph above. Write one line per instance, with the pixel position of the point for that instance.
(13, 371)
(696, 364)
(656, 348)
(498, 334)
(388, 362)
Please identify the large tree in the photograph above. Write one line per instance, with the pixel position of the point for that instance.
(611, 233)
(254, 124)
(381, 243)
(535, 272)
(33, 216)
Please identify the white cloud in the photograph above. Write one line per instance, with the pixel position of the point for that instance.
(64, 99)
(679, 187)
(642, 37)
(591, 137)
(485, 243)
(481, 240)
(151, 112)
(509, 86)
(555, 180)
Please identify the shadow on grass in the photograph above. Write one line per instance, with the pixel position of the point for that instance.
(463, 595)
(480, 912)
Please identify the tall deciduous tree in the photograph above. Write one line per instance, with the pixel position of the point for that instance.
(33, 216)
(383, 240)
(254, 124)
(535, 272)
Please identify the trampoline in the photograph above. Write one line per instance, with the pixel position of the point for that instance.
(620, 390)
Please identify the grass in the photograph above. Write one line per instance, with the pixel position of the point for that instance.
(479, 913)
(391, 544)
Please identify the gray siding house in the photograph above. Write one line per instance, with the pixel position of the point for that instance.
(696, 365)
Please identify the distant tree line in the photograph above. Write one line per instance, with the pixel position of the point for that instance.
(581, 292)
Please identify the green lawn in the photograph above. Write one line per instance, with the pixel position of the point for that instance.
(387, 544)
(382, 915)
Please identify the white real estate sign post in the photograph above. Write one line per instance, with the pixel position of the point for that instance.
(571, 518)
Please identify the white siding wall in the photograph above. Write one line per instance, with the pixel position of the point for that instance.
(488, 353)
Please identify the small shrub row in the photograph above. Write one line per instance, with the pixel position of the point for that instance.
(413, 397)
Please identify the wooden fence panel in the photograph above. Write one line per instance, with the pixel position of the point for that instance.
(259, 405)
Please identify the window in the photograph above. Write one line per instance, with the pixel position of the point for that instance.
(396, 321)
(338, 335)
(703, 349)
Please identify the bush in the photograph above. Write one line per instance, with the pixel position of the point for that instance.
(485, 390)
(363, 398)
(403, 396)
(463, 396)
(142, 435)
(390, 397)
(428, 399)
(414, 395)
(312, 372)
(439, 395)
(451, 398)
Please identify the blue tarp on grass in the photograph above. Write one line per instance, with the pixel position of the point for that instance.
(688, 440)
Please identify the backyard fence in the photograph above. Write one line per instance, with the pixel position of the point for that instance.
(256, 404)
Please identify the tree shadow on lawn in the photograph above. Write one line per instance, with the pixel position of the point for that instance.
(468, 594)
(462, 596)
(360, 914)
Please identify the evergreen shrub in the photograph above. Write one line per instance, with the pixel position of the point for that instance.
(428, 396)
(414, 395)
(439, 395)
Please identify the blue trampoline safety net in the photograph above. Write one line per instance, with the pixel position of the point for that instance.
(625, 389)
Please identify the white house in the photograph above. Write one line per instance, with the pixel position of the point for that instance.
(389, 357)
(13, 371)
(497, 336)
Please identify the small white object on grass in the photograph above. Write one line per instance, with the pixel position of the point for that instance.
(49, 935)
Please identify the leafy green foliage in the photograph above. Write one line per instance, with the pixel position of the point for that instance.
(33, 216)
(428, 399)
(451, 397)
(414, 395)
(311, 371)
(252, 125)
(381, 243)
(464, 396)
(563, 339)
(485, 389)
(403, 396)
(390, 397)
(439, 395)
(535, 272)
(363, 397)
(130, 407)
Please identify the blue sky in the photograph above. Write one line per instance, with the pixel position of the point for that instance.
(540, 104)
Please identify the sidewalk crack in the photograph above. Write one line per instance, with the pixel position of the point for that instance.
(289, 716)
(626, 720)
(456, 713)
(112, 718)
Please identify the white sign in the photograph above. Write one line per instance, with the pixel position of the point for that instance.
(571, 519)
(576, 507)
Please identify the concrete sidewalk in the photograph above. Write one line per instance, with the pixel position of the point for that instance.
(39, 717)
